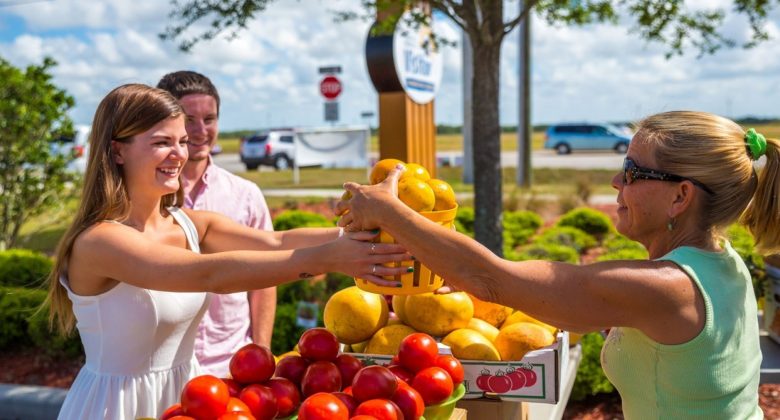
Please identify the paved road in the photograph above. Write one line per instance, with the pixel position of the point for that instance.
(539, 159)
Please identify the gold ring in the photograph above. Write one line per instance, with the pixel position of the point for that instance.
(373, 247)
(373, 269)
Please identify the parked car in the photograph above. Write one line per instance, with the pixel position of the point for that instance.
(565, 138)
(271, 148)
(75, 148)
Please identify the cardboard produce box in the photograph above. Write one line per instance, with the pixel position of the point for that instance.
(536, 378)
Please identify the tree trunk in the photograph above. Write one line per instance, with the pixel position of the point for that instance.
(486, 141)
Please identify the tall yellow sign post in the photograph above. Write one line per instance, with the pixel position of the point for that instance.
(405, 68)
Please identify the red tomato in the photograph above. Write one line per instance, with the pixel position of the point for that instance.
(292, 368)
(517, 378)
(235, 404)
(288, 398)
(252, 364)
(348, 401)
(204, 396)
(348, 366)
(452, 366)
(236, 415)
(234, 388)
(374, 382)
(174, 410)
(482, 380)
(530, 376)
(401, 373)
(321, 376)
(260, 400)
(417, 352)
(434, 385)
(380, 408)
(362, 417)
(499, 383)
(347, 390)
(318, 344)
(409, 401)
(323, 406)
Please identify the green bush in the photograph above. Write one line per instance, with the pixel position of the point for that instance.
(286, 333)
(588, 220)
(291, 219)
(464, 221)
(569, 236)
(23, 268)
(17, 305)
(51, 342)
(623, 254)
(590, 378)
(742, 242)
(618, 242)
(549, 252)
(519, 226)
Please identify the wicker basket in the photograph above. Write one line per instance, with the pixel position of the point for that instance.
(422, 280)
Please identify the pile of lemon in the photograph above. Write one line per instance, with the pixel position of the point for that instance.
(474, 329)
(416, 188)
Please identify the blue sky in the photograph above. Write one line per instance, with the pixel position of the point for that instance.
(268, 75)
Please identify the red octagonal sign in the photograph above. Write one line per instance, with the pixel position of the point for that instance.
(330, 87)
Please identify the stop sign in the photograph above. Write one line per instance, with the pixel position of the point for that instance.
(330, 87)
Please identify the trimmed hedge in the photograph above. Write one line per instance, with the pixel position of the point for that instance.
(464, 221)
(588, 220)
(24, 268)
(549, 252)
(590, 378)
(292, 219)
(568, 236)
(519, 226)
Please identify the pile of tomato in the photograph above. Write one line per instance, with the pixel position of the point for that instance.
(322, 384)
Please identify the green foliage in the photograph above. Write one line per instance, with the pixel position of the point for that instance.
(588, 220)
(286, 333)
(618, 247)
(742, 242)
(51, 342)
(590, 378)
(548, 251)
(292, 219)
(464, 220)
(17, 305)
(24, 268)
(569, 236)
(519, 226)
(33, 111)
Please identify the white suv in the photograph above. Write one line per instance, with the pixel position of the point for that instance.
(272, 148)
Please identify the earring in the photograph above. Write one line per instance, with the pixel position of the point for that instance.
(670, 225)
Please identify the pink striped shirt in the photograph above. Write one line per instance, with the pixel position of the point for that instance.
(226, 326)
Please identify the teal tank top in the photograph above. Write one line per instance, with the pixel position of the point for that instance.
(713, 376)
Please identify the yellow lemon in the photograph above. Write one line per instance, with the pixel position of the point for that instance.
(515, 340)
(388, 339)
(483, 327)
(416, 194)
(417, 171)
(520, 316)
(493, 313)
(443, 194)
(468, 344)
(381, 169)
(438, 314)
(398, 307)
(354, 315)
(359, 347)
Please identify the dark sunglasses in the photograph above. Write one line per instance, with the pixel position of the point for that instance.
(632, 172)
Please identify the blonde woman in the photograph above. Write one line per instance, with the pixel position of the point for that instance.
(684, 336)
(132, 270)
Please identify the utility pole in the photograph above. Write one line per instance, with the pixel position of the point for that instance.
(524, 108)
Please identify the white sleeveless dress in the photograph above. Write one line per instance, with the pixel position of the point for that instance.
(139, 346)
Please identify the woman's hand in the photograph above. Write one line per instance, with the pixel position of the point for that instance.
(355, 255)
(363, 210)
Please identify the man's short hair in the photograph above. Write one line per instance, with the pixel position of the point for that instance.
(185, 82)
